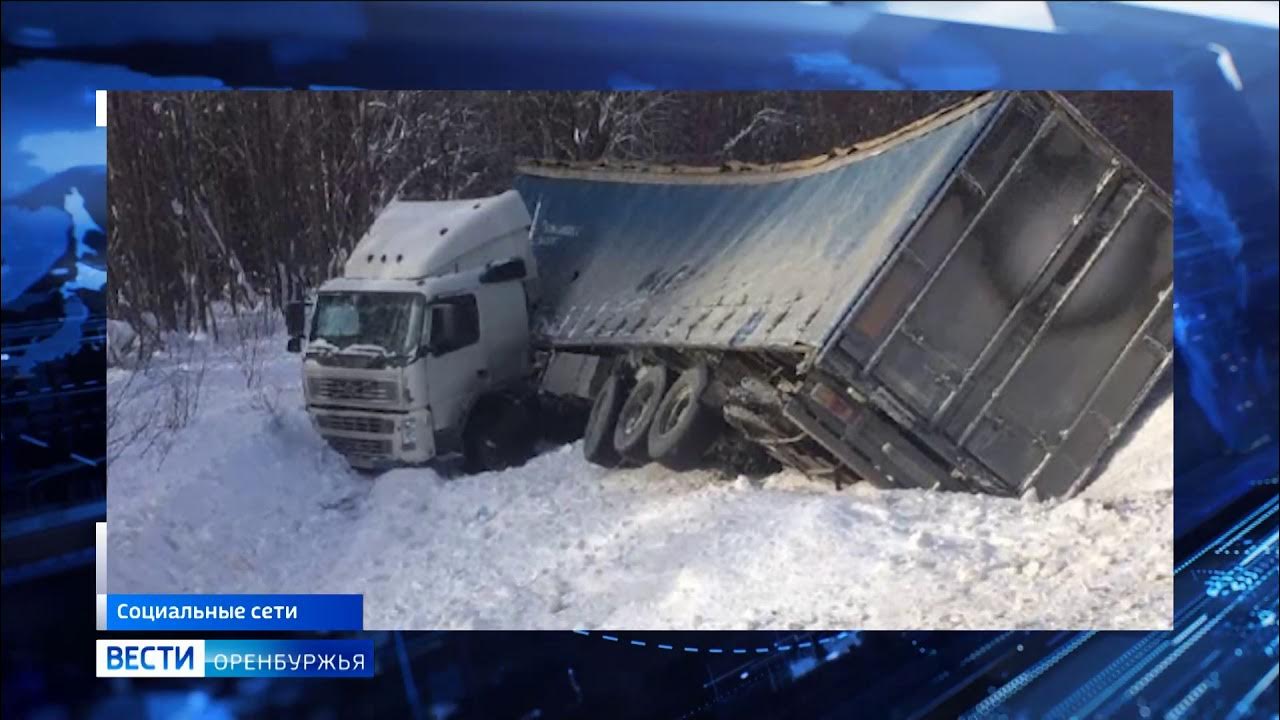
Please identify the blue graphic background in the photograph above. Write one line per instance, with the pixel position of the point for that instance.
(1220, 659)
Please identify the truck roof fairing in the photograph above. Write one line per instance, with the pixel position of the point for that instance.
(416, 239)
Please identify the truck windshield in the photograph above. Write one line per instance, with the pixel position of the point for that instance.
(367, 321)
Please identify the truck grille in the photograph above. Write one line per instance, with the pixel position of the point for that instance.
(365, 447)
(352, 389)
(348, 423)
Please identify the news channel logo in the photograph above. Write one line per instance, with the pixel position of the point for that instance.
(158, 658)
(151, 658)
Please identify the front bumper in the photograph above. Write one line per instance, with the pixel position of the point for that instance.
(376, 439)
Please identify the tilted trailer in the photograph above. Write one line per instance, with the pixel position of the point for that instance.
(979, 301)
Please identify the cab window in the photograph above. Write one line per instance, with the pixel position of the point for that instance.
(455, 324)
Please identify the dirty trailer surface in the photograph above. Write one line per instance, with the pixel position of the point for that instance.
(917, 294)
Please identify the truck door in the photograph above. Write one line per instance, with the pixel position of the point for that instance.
(457, 369)
(504, 330)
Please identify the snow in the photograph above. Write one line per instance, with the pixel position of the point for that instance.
(249, 499)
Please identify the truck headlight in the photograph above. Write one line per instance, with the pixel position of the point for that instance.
(409, 433)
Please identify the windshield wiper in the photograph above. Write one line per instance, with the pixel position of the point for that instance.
(365, 348)
(321, 345)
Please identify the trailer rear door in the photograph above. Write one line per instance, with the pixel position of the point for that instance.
(1014, 333)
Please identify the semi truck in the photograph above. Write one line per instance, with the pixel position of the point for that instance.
(978, 301)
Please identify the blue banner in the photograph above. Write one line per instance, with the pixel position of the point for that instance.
(234, 612)
(288, 658)
(235, 658)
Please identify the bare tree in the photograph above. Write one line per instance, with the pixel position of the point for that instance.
(145, 407)
(243, 200)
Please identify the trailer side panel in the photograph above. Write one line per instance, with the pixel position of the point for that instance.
(746, 260)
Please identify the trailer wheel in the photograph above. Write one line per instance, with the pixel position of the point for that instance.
(631, 436)
(597, 439)
(684, 427)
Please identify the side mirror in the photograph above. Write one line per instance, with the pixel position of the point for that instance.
(295, 345)
(295, 317)
(504, 271)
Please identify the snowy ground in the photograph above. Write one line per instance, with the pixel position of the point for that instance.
(251, 500)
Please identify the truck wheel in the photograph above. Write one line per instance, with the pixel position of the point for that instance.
(597, 440)
(631, 436)
(684, 427)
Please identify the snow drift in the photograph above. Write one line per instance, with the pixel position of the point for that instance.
(248, 498)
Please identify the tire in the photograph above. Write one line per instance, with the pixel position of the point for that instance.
(498, 437)
(631, 436)
(597, 439)
(684, 427)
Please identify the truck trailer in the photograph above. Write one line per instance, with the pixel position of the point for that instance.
(978, 301)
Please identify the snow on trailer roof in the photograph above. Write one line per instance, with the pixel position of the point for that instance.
(763, 257)
(413, 239)
(734, 171)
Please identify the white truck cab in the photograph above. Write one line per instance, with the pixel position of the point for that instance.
(425, 332)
